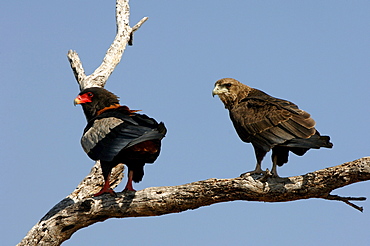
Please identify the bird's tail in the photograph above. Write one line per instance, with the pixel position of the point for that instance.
(325, 142)
(138, 175)
(138, 171)
(314, 142)
(162, 129)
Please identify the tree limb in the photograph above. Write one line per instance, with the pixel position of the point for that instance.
(70, 215)
(114, 54)
(347, 200)
(93, 182)
(79, 210)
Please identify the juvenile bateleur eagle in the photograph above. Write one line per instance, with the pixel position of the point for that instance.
(269, 123)
(115, 134)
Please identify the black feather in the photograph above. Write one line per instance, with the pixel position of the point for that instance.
(115, 134)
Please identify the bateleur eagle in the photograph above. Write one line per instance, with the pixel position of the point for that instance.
(269, 123)
(115, 134)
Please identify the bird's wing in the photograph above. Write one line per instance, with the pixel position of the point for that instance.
(105, 136)
(266, 121)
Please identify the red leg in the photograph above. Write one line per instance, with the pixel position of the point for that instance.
(129, 182)
(106, 189)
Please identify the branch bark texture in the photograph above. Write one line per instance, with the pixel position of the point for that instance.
(98, 79)
(79, 210)
(114, 54)
(70, 215)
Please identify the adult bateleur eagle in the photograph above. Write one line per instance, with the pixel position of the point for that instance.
(269, 123)
(115, 134)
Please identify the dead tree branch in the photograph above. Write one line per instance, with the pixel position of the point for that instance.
(98, 79)
(79, 211)
(114, 54)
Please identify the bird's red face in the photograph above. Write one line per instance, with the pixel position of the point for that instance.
(84, 98)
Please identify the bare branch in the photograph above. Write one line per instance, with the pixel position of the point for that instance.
(138, 25)
(79, 210)
(347, 200)
(93, 182)
(135, 28)
(114, 54)
(70, 215)
(76, 66)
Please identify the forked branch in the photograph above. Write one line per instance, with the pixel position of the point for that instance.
(347, 200)
(114, 54)
(79, 210)
(98, 79)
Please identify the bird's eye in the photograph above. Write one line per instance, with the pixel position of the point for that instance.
(90, 94)
(228, 85)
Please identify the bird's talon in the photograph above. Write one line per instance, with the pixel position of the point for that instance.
(268, 123)
(105, 191)
(110, 139)
(267, 173)
(244, 175)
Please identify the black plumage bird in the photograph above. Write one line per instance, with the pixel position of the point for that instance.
(115, 134)
(269, 123)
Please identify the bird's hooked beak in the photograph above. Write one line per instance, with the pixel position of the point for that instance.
(77, 100)
(81, 99)
(218, 90)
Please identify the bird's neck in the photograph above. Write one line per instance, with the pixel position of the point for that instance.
(230, 100)
(117, 105)
(92, 111)
(243, 92)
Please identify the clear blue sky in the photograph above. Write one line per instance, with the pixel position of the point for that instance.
(314, 53)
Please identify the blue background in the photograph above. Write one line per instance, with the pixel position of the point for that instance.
(313, 53)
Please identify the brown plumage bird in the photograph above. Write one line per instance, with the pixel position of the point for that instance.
(115, 134)
(269, 123)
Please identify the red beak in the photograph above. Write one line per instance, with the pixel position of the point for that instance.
(81, 99)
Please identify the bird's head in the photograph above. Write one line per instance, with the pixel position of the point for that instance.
(94, 99)
(230, 91)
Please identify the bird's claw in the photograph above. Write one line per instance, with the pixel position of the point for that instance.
(262, 175)
(105, 191)
(255, 172)
(266, 174)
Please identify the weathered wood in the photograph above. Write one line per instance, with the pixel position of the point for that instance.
(79, 210)
(98, 79)
(70, 215)
(114, 54)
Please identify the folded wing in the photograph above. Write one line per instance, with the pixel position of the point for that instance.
(107, 135)
(267, 121)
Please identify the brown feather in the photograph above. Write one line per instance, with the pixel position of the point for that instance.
(268, 122)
